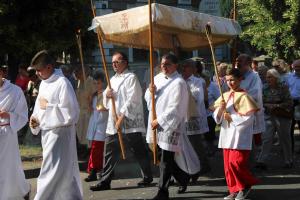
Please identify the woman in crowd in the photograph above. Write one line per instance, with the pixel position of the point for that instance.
(278, 106)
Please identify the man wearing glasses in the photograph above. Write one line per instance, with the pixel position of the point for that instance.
(127, 94)
(177, 153)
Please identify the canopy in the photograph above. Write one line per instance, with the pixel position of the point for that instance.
(171, 26)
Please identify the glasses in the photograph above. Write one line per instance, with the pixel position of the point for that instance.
(117, 62)
(166, 64)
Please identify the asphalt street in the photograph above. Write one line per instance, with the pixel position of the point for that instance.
(276, 183)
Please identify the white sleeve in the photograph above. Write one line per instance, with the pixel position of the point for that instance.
(215, 116)
(134, 97)
(64, 113)
(19, 116)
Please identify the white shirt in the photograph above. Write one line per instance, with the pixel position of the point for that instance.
(128, 101)
(239, 133)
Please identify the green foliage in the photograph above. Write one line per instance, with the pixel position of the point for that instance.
(226, 7)
(28, 26)
(272, 26)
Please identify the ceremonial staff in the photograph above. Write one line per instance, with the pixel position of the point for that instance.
(154, 149)
(78, 39)
(209, 38)
(115, 116)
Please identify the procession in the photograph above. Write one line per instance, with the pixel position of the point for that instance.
(181, 120)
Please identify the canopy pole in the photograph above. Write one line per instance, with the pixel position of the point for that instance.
(154, 132)
(115, 116)
(78, 39)
(234, 45)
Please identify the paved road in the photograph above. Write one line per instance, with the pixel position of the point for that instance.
(276, 183)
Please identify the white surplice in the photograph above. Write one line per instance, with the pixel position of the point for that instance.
(128, 100)
(171, 107)
(97, 123)
(253, 86)
(197, 125)
(239, 133)
(59, 177)
(13, 185)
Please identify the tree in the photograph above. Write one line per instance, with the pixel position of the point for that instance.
(272, 26)
(28, 26)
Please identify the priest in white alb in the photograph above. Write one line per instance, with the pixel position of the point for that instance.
(126, 92)
(178, 158)
(196, 124)
(55, 114)
(13, 116)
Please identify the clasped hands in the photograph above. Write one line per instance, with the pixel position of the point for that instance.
(226, 115)
(33, 122)
(4, 115)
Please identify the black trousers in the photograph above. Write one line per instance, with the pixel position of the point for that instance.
(296, 102)
(210, 136)
(137, 145)
(169, 168)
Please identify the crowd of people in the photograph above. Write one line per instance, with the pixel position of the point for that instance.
(74, 111)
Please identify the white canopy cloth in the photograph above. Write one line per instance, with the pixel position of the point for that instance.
(171, 26)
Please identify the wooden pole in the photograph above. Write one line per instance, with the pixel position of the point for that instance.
(152, 83)
(78, 39)
(234, 45)
(209, 38)
(234, 10)
(109, 84)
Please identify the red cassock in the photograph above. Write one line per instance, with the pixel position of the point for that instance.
(96, 156)
(236, 168)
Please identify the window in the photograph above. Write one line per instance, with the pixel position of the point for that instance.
(184, 2)
(101, 4)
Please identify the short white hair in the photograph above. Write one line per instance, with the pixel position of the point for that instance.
(274, 73)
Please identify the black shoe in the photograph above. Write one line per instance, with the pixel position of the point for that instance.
(195, 177)
(26, 197)
(261, 166)
(100, 186)
(162, 195)
(172, 182)
(288, 166)
(204, 170)
(92, 176)
(181, 189)
(145, 182)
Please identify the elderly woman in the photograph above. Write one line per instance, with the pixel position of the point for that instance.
(278, 105)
